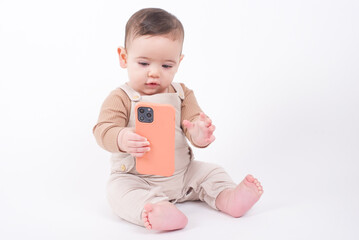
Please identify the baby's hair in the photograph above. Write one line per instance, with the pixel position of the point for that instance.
(153, 22)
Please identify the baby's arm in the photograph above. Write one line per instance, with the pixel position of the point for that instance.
(201, 130)
(196, 125)
(111, 132)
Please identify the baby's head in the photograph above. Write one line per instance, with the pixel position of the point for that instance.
(153, 22)
(153, 50)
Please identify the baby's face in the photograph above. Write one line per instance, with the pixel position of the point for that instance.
(152, 62)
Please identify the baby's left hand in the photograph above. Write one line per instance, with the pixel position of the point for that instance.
(201, 130)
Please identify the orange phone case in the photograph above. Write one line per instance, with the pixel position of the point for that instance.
(160, 160)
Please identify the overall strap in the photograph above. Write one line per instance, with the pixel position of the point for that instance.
(177, 86)
(132, 94)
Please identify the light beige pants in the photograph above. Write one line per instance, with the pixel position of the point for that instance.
(128, 193)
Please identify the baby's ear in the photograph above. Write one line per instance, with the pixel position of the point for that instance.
(123, 57)
(181, 57)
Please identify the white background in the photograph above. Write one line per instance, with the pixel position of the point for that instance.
(278, 78)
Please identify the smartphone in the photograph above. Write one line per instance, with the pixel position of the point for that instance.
(156, 122)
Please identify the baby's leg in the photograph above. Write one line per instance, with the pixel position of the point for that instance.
(163, 216)
(238, 201)
(128, 194)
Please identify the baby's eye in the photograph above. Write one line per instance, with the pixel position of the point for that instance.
(166, 66)
(143, 63)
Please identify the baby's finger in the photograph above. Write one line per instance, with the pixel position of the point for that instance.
(212, 128)
(208, 122)
(138, 150)
(187, 124)
(135, 137)
(211, 139)
(136, 144)
(202, 116)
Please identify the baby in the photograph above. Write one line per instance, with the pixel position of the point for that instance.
(152, 55)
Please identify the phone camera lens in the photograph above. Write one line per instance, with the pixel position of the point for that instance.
(142, 118)
(149, 115)
(142, 110)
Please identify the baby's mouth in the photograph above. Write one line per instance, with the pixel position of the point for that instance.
(152, 84)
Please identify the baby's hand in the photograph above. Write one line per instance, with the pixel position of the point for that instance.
(201, 130)
(132, 143)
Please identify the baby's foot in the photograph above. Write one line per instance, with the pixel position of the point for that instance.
(163, 216)
(236, 202)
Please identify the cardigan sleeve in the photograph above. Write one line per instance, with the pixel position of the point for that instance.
(190, 111)
(114, 116)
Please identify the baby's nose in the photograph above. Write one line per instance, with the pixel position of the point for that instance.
(154, 72)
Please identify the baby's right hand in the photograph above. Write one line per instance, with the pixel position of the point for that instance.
(132, 143)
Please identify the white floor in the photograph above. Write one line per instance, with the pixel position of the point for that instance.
(56, 201)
